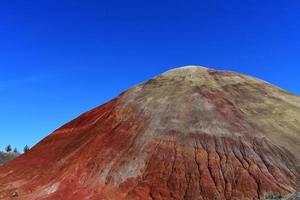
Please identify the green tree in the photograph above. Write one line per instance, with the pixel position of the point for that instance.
(26, 148)
(8, 148)
(16, 150)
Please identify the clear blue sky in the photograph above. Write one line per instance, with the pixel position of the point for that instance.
(60, 58)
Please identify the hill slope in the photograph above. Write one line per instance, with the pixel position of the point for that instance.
(189, 133)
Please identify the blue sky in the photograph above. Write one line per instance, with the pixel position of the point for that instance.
(61, 58)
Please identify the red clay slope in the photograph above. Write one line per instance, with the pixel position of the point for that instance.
(190, 133)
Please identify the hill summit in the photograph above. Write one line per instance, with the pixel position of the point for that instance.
(189, 133)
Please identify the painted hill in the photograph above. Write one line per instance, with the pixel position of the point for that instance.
(189, 133)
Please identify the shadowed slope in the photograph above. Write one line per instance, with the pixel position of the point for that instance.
(190, 133)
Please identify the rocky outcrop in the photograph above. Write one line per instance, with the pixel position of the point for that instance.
(190, 133)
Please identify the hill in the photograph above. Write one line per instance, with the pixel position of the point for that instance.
(189, 133)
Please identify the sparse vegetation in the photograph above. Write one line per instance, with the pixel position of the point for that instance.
(5, 156)
(8, 154)
(271, 196)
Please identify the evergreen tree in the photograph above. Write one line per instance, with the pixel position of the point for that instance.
(8, 148)
(16, 150)
(26, 148)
